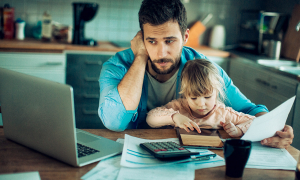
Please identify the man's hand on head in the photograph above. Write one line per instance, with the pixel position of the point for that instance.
(138, 46)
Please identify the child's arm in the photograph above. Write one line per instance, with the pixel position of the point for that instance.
(162, 116)
(165, 115)
(236, 123)
(185, 123)
(231, 129)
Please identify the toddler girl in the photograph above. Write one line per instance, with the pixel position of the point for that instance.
(203, 94)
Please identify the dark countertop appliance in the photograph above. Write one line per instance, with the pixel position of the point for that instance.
(83, 12)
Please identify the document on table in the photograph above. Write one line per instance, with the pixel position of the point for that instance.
(110, 169)
(178, 171)
(107, 169)
(265, 126)
(264, 157)
(134, 156)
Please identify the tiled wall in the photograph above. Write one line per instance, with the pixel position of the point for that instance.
(117, 20)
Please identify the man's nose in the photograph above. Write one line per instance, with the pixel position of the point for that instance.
(162, 50)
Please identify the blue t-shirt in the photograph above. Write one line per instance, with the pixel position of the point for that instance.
(112, 111)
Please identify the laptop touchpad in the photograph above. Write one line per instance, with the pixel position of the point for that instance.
(82, 137)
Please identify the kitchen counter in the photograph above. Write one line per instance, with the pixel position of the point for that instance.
(253, 59)
(207, 51)
(33, 45)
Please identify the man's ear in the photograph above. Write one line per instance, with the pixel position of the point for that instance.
(186, 36)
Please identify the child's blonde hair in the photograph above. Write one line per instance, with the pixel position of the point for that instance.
(200, 77)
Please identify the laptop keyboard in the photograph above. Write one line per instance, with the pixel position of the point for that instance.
(84, 150)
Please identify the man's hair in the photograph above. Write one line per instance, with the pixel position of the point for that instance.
(157, 12)
(200, 77)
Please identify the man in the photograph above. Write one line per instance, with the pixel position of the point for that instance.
(147, 75)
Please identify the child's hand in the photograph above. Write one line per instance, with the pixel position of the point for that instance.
(185, 123)
(231, 129)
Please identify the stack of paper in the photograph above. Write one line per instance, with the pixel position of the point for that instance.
(134, 156)
(139, 164)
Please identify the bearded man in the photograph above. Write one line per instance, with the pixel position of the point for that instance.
(147, 75)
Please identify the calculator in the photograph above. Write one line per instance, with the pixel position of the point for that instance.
(167, 150)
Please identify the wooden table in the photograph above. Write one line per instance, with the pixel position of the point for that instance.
(17, 158)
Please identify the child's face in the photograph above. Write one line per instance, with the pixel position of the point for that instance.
(202, 105)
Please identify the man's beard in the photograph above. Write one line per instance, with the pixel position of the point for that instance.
(170, 69)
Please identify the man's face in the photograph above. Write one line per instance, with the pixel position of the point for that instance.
(164, 45)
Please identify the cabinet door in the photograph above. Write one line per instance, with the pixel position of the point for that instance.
(49, 66)
(83, 71)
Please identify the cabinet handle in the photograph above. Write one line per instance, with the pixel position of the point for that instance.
(258, 80)
(54, 63)
(90, 96)
(89, 112)
(93, 62)
(274, 86)
(262, 82)
(91, 79)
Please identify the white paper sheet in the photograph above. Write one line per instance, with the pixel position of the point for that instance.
(264, 157)
(107, 169)
(265, 126)
(23, 175)
(175, 172)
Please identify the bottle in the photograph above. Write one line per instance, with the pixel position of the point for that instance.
(8, 22)
(20, 25)
(217, 37)
(1, 23)
(46, 27)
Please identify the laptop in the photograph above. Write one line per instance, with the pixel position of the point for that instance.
(39, 114)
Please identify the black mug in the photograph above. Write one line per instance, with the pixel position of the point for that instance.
(236, 154)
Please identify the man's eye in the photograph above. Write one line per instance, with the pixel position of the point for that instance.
(152, 42)
(169, 41)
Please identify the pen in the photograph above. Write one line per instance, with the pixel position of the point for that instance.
(202, 158)
(202, 147)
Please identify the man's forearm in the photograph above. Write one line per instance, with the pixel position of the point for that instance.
(260, 114)
(130, 87)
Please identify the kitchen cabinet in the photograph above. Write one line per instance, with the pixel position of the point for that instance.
(51, 66)
(262, 86)
(83, 71)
